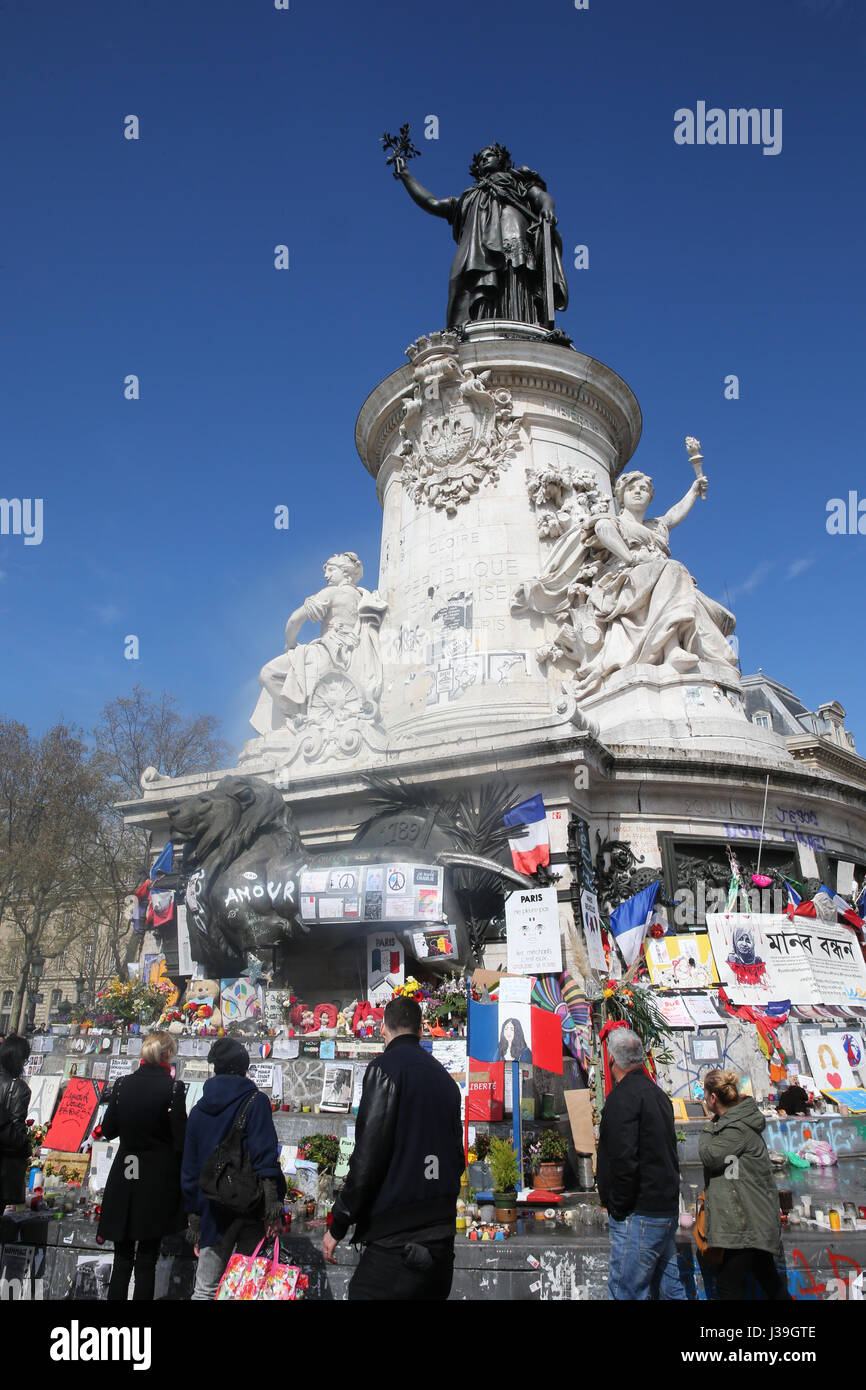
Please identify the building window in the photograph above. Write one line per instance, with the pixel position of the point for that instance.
(56, 996)
(7, 999)
(762, 719)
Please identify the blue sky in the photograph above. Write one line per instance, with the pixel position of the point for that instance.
(259, 127)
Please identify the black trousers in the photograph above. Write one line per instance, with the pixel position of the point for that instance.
(410, 1273)
(735, 1269)
(140, 1256)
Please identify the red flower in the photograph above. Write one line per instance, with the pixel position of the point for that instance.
(657, 929)
(29, 1121)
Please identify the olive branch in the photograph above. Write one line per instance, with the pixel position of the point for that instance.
(398, 146)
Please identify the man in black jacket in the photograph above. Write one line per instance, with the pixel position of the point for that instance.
(639, 1178)
(404, 1174)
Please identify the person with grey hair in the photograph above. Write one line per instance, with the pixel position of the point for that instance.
(639, 1178)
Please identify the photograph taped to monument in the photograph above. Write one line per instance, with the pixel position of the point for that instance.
(337, 1087)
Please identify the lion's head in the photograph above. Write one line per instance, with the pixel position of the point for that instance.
(219, 825)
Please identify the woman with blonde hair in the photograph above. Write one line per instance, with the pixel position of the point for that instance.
(142, 1201)
(742, 1202)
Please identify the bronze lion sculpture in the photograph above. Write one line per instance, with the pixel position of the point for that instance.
(242, 855)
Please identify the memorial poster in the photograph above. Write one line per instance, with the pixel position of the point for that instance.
(532, 932)
(239, 1000)
(385, 966)
(592, 931)
(44, 1091)
(395, 892)
(435, 943)
(832, 1057)
(73, 1115)
(673, 1011)
(681, 962)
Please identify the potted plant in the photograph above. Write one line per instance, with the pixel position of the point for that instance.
(547, 1156)
(505, 1170)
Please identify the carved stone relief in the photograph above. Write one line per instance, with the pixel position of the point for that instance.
(321, 700)
(457, 431)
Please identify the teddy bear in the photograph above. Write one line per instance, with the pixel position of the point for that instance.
(201, 1005)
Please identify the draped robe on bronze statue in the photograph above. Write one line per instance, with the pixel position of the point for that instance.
(500, 257)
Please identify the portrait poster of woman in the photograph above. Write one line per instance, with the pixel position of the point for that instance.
(515, 1033)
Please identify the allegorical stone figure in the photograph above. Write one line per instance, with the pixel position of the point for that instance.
(348, 646)
(622, 599)
(498, 224)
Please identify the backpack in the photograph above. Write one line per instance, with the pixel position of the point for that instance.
(228, 1178)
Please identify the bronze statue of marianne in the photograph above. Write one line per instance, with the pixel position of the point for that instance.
(509, 256)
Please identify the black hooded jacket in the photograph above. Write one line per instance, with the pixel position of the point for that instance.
(404, 1174)
(638, 1167)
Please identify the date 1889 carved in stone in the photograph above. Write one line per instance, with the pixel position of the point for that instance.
(457, 431)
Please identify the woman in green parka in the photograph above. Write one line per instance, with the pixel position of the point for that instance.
(742, 1202)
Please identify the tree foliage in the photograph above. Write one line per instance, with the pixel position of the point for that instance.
(139, 730)
(67, 859)
(51, 798)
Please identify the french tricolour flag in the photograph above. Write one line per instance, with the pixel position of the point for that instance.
(844, 908)
(629, 921)
(532, 849)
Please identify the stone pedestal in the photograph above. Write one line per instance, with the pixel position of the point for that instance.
(459, 443)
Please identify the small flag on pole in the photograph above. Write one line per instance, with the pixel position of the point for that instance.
(164, 863)
(629, 921)
(532, 849)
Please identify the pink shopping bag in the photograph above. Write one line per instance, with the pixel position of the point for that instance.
(254, 1276)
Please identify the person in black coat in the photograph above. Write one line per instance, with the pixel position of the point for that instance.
(404, 1175)
(638, 1178)
(142, 1200)
(14, 1136)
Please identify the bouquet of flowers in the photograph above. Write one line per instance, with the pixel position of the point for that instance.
(36, 1136)
(634, 1005)
(321, 1149)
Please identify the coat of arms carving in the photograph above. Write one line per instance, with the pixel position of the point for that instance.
(457, 430)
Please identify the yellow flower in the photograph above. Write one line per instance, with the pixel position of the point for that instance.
(608, 993)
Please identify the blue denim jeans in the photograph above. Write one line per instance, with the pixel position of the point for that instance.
(643, 1259)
